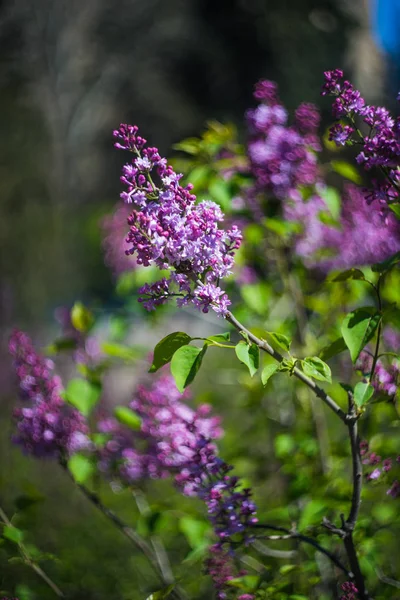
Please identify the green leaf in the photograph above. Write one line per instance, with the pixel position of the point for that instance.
(358, 328)
(362, 393)
(396, 209)
(333, 349)
(185, 363)
(195, 530)
(25, 501)
(220, 337)
(121, 351)
(128, 417)
(279, 340)
(167, 347)
(316, 368)
(386, 265)
(161, 594)
(13, 534)
(80, 467)
(219, 190)
(346, 170)
(60, 345)
(245, 582)
(349, 274)
(83, 395)
(248, 355)
(81, 318)
(268, 371)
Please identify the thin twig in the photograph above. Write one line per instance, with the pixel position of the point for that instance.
(29, 562)
(263, 345)
(303, 538)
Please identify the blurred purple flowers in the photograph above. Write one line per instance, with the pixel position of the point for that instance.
(47, 426)
(168, 229)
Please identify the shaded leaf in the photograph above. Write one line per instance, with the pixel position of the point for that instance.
(167, 347)
(185, 363)
(220, 337)
(358, 329)
(386, 265)
(346, 170)
(279, 340)
(333, 349)
(316, 368)
(161, 594)
(349, 274)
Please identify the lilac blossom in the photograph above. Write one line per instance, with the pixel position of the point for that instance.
(384, 380)
(46, 425)
(350, 590)
(380, 148)
(380, 468)
(168, 229)
(366, 234)
(282, 157)
(166, 439)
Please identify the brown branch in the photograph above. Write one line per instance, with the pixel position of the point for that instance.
(263, 345)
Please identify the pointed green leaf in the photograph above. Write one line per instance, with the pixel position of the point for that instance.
(358, 328)
(248, 355)
(80, 467)
(279, 339)
(161, 594)
(349, 274)
(167, 347)
(128, 417)
(185, 363)
(316, 368)
(195, 530)
(268, 371)
(346, 170)
(386, 265)
(13, 534)
(220, 337)
(333, 349)
(362, 393)
(83, 395)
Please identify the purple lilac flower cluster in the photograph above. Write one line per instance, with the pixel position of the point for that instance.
(168, 229)
(230, 508)
(380, 147)
(167, 436)
(384, 380)
(367, 234)
(381, 467)
(221, 568)
(350, 591)
(282, 157)
(47, 427)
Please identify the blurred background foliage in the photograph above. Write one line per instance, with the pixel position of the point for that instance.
(69, 73)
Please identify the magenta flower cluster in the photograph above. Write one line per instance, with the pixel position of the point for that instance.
(366, 234)
(168, 229)
(384, 380)
(380, 147)
(46, 425)
(380, 468)
(282, 157)
(221, 567)
(351, 592)
(230, 509)
(167, 436)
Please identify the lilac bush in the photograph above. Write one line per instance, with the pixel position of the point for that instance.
(297, 230)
